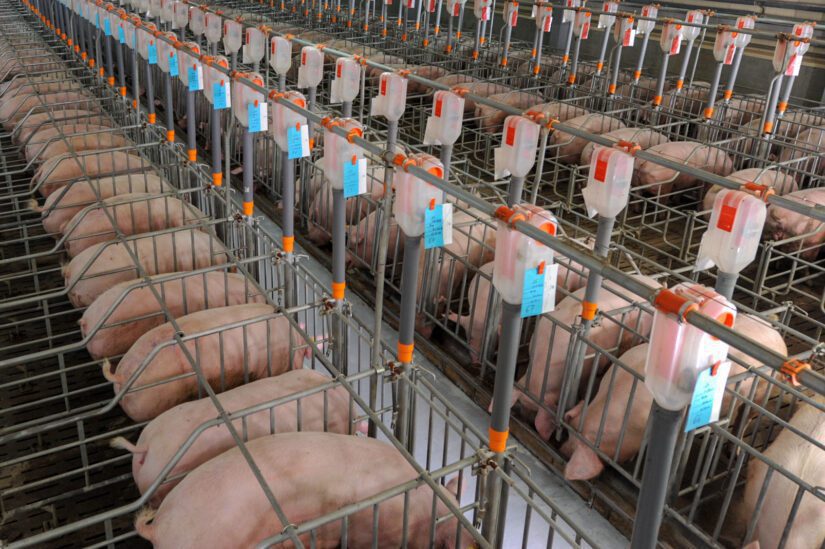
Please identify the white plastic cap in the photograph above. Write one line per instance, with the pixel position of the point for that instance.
(732, 237)
(311, 70)
(413, 195)
(391, 100)
(444, 126)
(517, 153)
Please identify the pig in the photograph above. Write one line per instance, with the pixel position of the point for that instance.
(25, 86)
(781, 183)
(126, 311)
(42, 120)
(481, 89)
(60, 170)
(13, 110)
(327, 410)
(798, 456)
(53, 142)
(491, 119)
(550, 344)
(96, 269)
(688, 101)
(643, 91)
(569, 148)
(642, 137)
(782, 224)
(609, 407)
(227, 357)
(453, 80)
(727, 116)
(810, 146)
(61, 206)
(424, 71)
(660, 180)
(362, 241)
(555, 110)
(132, 213)
(333, 471)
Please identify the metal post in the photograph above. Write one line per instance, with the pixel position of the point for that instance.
(514, 190)
(477, 45)
(660, 83)
(446, 158)
(539, 46)
(346, 109)
(170, 113)
(288, 226)
(714, 86)
(150, 94)
(508, 31)
(449, 47)
(786, 95)
(110, 60)
(603, 51)
(248, 168)
(571, 79)
(770, 112)
(640, 63)
(217, 174)
(500, 419)
(726, 283)
(664, 431)
(734, 71)
(614, 78)
(437, 29)
(384, 18)
(191, 127)
(121, 69)
(566, 57)
(683, 69)
(406, 334)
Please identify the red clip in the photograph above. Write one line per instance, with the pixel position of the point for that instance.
(541, 268)
(275, 95)
(671, 302)
(715, 368)
(792, 368)
(432, 203)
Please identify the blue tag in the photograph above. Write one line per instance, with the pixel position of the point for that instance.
(194, 81)
(352, 178)
(434, 227)
(254, 114)
(97, 20)
(533, 293)
(707, 397)
(153, 54)
(219, 99)
(294, 142)
(121, 36)
(173, 64)
(107, 27)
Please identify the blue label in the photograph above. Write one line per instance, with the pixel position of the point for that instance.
(434, 227)
(254, 114)
(707, 397)
(219, 99)
(351, 179)
(533, 293)
(295, 148)
(173, 64)
(107, 27)
(194, 81)
(121, 35)
(97, 20)
(153, 54)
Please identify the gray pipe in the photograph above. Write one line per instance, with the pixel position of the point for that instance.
(406, 333)
(191, 127)
(170, 112)
(514, 191)
(288, 225)
(640, 63)
(248, 167)
(683, 69)
(734, 71)
(714, 86)
(603, 50)
(726, 283)
(150, 94)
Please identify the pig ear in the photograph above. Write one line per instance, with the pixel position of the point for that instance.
(574, 412)
(584, 464)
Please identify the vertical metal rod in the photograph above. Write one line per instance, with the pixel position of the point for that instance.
(191, 127)
(539, 47)
(217, 174)
(603, 51)
(437, 29)
(734, 71)
(786, 95)
(477, 44)
(664, 430)
(770, 112)
(508, 31)
(150, 94)
(248, 169)
(121, 69)
(406, 333)
(170, 112)
(449, 47)
(571, 79)
(568, 41)
(660, 83)
(384, 18)
(726, 283)
(446, 158)
(288, 226)
(683, 69)
(545, 134)
(640, 63)
(110, 60)
(500, 418)
(714, 86)
(346, 109)
(614, 78)
(514, 190)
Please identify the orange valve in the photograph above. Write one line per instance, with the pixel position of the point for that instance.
(248, 208)
(288, 243)
(338, 289)
(792, 368)
(673, 303)
(589, 310)
(405, 352)
(498, 440)
(217, 179)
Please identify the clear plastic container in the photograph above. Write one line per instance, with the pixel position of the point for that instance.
(284, 118)
(311, 70)
(167, 51)
(569, 15)
(671, 38)
(337, 151)
(211, 76)
(188, 62)
(742, 39)
(482, 9)
(167, 11)
(544, 17)
(690, 32)
(254, 46)
(243, 96)
(608, 182)
(145, 37)
(679, 352)
(413, 196)
(346, 82)
(511, 13)
(802, 30)
(214, 28)
(197, 21)
(232, 35)
(646, 27)
(624, 33)
(280, 54)
(606, 21)
(516, 252)
(581, 24)
(391, 100)
(181, 14)
(517, 153)
(732, 237)
(444, 126)
(454, 6)
(724, 46)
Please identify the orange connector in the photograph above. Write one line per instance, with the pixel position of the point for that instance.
(792, 368)
(673, 303)
(405, 352)
(498, 440)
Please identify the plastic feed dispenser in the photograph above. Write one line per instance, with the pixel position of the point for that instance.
(544, 17)
(733, 234)
(690, 32)
(284, 118)
(605, 20)
(517, 153)
(166, 51)
(414, 196)
(742, 39)
(181, 14)
(787, 57)
(130, 32)
(167, 11)
(392, 97)
(624, 33)
(581, 24)
(338, 150)
(189, 59)
(444, 126)
(516, 252)
(197, 21)
(679, 352)
(724, 46)
(608, 182)
(232, 36)
(650, 11)
(254, 45)
(212, 76)
(346, 80)
(569, 15)
(280, 54)
(243, 96)
(671, 39)
(311, 70)
(146, 38)
(214, 28)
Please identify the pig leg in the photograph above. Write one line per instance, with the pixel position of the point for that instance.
(584, 463)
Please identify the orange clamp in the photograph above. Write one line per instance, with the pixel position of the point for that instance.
(589, 310)
(509, 215)
(353, 133)
(217, 179)
(123, 91)
(709, 113)
(248, 208)
(152, 117)
(673, 303)
(288, 243)
(192, 154)
(498, 440)
(338, 290)
(399, 160)
(404, 73)
(170, 135)
(792, 368)
(630, 147)
(761, 191)
(405, 352)
(275, 95)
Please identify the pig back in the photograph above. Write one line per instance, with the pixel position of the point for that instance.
(644, 138)
(568, 148)
(60, 170)
(490, 119)
(661, 180)
(781, 183)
